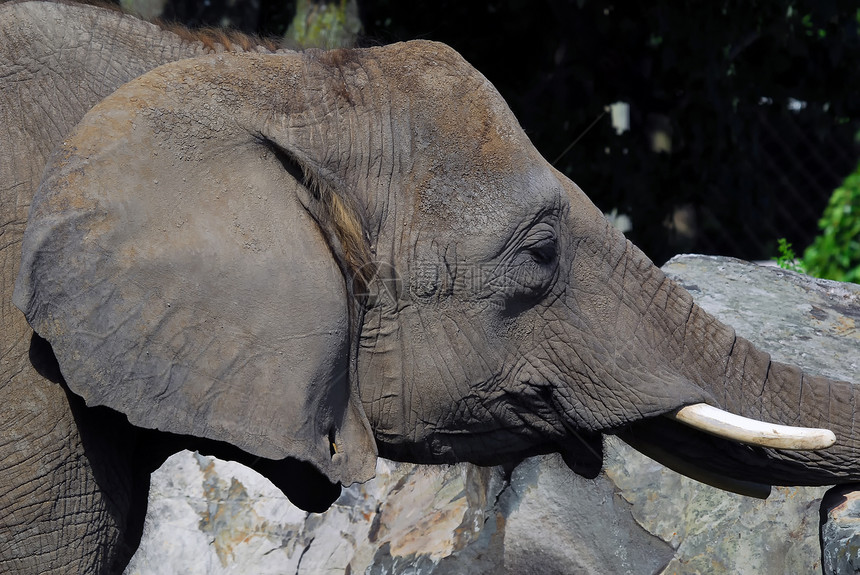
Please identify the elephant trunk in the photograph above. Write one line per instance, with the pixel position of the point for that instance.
(743, 380)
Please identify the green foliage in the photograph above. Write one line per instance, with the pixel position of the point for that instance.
(324, 24)
(787, 259)
(835, 253)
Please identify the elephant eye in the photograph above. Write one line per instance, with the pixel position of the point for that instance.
(544, 252)
(534, 268)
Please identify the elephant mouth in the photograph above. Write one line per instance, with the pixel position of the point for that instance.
(723, 425)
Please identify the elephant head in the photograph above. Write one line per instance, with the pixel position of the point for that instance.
(327, 255)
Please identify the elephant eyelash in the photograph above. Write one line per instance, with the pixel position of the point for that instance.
(335, 215)
(530, 268)
(544, 251)
(541, 227)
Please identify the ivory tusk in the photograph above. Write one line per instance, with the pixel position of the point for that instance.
(752, 431)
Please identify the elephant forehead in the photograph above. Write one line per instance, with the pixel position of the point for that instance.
(446, 106)
(492, 204)
(465, 123)
(471, 161)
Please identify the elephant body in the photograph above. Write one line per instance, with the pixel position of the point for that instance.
(303, 260)
(69, 504)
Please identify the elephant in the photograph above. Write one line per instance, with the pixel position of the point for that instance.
(307, 260)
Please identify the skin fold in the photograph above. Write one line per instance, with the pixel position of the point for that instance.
(322, 257)
(75, 478)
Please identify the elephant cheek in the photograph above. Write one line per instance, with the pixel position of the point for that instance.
(420, 373)
(380, 380)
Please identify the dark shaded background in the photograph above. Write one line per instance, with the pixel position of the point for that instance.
(761, 101)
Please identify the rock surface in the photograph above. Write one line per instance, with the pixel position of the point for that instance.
(210, 516)
(840, 530)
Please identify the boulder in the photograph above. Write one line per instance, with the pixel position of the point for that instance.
(637, 517)
(840, 530)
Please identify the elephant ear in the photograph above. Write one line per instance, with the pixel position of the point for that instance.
(173, 263)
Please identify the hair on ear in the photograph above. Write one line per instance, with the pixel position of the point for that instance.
(106, 4)
(213, 38)
(339, 58)
(337, 216)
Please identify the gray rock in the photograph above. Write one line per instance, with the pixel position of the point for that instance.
(808, 322)
(558, 522)
(840, 530)
(210, 516)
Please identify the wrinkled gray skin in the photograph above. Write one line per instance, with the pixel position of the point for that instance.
(189, 276)
(67, 472)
